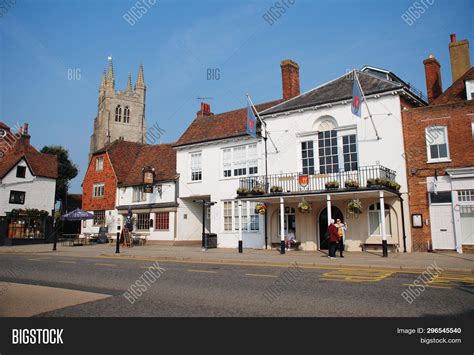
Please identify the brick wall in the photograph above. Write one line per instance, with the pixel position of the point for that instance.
(458, 118)
(106, 176)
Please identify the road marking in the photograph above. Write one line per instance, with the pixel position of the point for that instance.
(261, 275)
(36, 259)
(205, 271)
(101, 264)
(355, 275)
(429, 286)
(66, 262)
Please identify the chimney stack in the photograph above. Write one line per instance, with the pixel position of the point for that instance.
(290, 76)
(24, 136)
(460, 59)
(205, 109)
(434, 87)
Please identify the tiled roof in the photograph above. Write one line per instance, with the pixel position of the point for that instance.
(16, 149)
(456, 92)
(224, 125)
(336, 90)
(128, 159)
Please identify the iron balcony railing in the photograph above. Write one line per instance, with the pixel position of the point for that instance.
(364, 177)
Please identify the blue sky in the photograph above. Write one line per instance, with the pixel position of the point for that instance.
(177, 41)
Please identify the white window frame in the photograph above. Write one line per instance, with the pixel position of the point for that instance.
(97, 188)
(230, 164)
(472, 129)
(428, 146)
(138, 194)
(248, 211)
(195, 169)
(469, 90)
(137, 221)
(388, 227)
(99, 163)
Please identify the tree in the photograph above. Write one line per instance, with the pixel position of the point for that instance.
(67, 171)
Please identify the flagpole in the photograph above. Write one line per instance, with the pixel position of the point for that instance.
(366, 104)
(266, 162)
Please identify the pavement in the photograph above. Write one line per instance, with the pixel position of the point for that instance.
(407, 262)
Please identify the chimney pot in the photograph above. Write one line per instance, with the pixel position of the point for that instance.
(290, 75)
(25, 129)
(205, 109)
(453, 37)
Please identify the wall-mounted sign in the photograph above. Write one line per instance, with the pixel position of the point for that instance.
(417, 220)
(148, 179)
(303, 180)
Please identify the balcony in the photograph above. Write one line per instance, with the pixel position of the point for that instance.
(366, 177)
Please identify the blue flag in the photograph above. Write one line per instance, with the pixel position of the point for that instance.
(251, 121)
(356, 105)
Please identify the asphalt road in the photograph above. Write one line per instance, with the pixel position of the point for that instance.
(194, 289)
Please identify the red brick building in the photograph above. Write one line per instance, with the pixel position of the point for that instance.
(439, 148)
(114, 183)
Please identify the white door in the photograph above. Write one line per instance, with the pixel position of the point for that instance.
(467, 225)
(442, 230)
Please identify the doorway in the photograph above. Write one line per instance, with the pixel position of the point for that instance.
(323, 225)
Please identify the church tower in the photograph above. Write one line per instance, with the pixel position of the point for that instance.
(120, 114)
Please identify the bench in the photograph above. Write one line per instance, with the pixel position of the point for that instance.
(393, 247)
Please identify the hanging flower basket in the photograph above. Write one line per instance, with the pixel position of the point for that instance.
(304, 206)
(355, 206)
(261, 208)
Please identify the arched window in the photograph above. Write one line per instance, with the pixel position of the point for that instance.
(290, 220)
(126, 115)
(118, 114)
(375, 228)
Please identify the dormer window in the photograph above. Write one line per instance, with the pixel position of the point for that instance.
(118, 114)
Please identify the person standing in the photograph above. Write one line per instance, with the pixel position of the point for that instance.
(333, 239)
(341, 231)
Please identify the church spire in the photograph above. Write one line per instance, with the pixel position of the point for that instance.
(103, 82)
(140, 80)
(110, 74)
(129, 84)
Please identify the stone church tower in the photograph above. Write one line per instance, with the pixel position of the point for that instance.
(120, 114)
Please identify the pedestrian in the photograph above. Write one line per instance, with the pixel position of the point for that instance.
(341, 232)
(333, 239)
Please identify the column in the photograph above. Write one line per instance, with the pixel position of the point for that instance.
(240, 227)
(382, 224)
(328, 205)
(282, 226)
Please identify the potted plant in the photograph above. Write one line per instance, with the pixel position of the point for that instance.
(261, 208)
(355, 206)
(258, 190)
(276, 189)
(332, 185)
(351, 184)
(304, 206)
(242, 191)
(374, 182)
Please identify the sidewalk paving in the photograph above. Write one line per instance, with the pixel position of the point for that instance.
(450, 262)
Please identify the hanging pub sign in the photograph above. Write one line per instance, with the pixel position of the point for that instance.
(303, 181)
(148, 179)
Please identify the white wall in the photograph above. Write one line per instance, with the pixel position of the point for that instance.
(39, 191)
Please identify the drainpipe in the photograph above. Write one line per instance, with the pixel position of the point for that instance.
(403, 226)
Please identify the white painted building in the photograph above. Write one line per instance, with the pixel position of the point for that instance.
(27, 187)
(315, 135)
